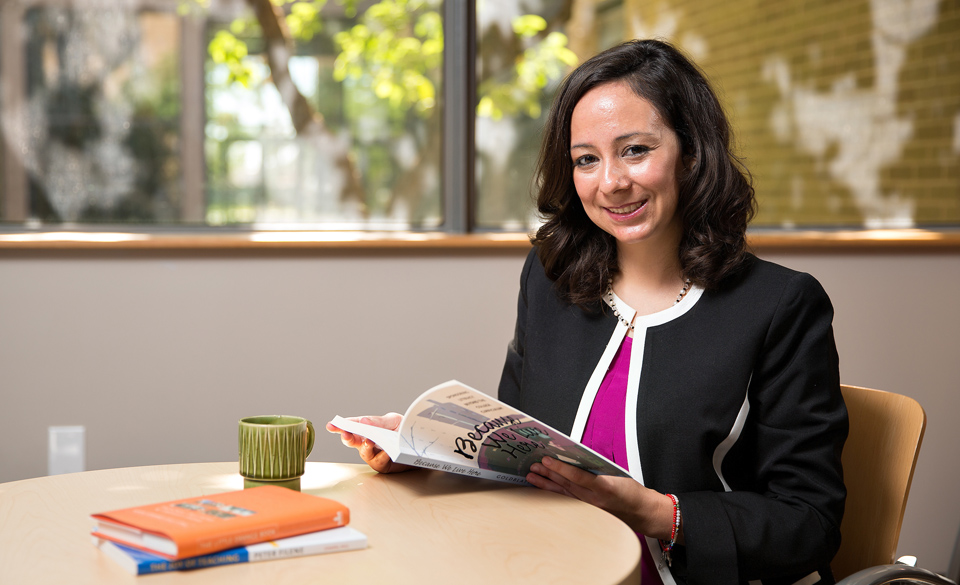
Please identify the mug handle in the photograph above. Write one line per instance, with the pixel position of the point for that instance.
(311, 437)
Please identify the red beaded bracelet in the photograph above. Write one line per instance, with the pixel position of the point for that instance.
(666, 547)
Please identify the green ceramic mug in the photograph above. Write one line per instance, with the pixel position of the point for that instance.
(274, 450)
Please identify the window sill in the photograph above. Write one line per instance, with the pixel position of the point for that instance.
(890, 240)
(777, 241)
(260, 240)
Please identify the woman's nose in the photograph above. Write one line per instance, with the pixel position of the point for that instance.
(614, 177)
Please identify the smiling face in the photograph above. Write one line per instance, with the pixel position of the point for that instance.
(626, 163)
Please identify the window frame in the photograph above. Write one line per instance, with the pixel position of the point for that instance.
(459, 190)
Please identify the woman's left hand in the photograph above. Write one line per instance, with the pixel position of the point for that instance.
(642, 509)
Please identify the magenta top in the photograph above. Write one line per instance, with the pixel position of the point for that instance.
(605, 434)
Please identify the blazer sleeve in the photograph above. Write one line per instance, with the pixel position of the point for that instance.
(510, 379)
(781, 521)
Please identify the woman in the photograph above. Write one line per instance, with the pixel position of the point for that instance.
(646, 331)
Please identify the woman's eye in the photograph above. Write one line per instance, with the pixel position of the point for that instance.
(584, 160)
(636, 151)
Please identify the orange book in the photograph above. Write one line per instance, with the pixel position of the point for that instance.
(207, 524)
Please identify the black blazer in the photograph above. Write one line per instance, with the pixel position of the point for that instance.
(762, 342)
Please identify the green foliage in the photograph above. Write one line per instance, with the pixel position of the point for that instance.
(529, 25)
(544, 61)
(388, 62)
(395, 53)
(304, 17)
(191, 7)
(226, 49)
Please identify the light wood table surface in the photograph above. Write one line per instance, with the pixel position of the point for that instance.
(423, 527)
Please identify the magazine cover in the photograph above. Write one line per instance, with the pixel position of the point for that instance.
(453, 427)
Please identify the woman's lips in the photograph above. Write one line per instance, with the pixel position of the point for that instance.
(626, 210)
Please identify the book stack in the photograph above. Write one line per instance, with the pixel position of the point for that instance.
(256, 524)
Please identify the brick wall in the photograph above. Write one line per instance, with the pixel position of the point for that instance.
(847, 112)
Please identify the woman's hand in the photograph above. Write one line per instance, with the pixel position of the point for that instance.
(645, 511)
(369, 451)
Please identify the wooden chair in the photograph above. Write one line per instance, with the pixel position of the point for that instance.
(879, 458)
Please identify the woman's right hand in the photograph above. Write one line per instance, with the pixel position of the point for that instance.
(375, 457)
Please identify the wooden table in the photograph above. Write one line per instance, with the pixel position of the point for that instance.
(423, 527)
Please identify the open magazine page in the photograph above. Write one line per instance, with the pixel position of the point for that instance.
(455, 428)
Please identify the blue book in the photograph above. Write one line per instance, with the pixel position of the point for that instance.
(138, 562)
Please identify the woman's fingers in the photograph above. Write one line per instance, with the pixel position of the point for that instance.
(371, 454)
(569, 480)
(390, 420)
(542, 482)
(349, 439)
(573, 475)
(643, 509)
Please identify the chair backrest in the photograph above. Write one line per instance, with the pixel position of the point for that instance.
(879, 457)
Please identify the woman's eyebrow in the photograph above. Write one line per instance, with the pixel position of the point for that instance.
(633, 135)
(619, 139)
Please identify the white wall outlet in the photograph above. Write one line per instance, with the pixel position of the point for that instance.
(67, 450)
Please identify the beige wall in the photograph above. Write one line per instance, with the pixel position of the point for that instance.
(159, 354)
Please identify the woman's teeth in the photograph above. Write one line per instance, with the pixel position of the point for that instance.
(626, 208)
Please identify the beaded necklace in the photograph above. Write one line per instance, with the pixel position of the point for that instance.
(608, 297)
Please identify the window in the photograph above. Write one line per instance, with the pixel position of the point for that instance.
(344, 133)
(846, 113)
(90, 117)
(300, 114)
(359, 114)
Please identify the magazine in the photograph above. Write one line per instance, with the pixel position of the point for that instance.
(453, 427)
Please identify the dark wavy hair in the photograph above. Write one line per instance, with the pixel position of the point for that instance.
(716, 197)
